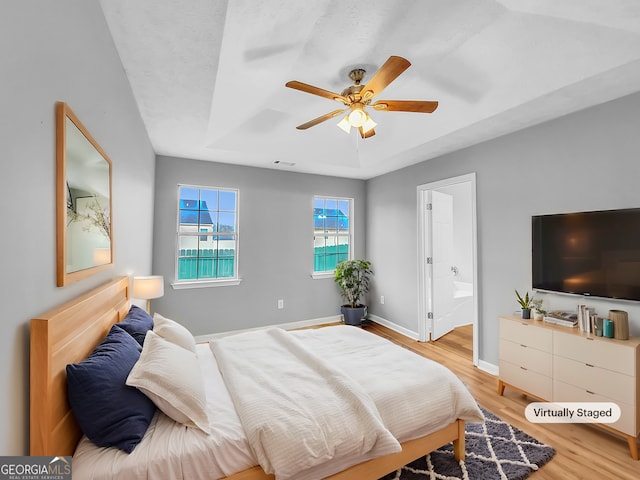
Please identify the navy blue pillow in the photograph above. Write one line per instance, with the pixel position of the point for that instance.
(109, 412)
(136, 323)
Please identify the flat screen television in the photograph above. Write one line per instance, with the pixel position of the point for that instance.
(588, 253)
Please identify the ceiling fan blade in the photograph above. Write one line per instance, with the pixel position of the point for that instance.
(369, 133)
(387, 73)
(303, 87)
(405, 106)
(318, 120)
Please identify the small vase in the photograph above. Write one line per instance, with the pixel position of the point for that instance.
(526, 313)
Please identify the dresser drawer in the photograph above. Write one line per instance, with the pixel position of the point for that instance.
(527, 380)
(527, 357)
(613, 385)
(563, 392)
(607, 354)
(525, 333)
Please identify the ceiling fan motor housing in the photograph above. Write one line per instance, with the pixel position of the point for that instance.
(356, 75)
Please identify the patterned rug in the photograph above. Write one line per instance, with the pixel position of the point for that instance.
(494, 450)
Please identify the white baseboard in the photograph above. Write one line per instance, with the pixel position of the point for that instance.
(488, 367)
(394, 326)
(284, 326)
(482, 365)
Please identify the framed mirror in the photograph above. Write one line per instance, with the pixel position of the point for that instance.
(83, 201)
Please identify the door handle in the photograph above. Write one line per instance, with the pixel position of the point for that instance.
(454, 269)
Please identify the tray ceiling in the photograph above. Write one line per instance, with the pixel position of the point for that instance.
(208, 76)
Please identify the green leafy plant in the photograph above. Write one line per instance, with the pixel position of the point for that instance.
(352, 276)
(537, 306)
(525, 302)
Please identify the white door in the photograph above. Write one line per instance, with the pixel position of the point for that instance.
(435, 310)
(442, 290)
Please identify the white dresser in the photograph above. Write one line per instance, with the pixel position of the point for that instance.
(552, 363)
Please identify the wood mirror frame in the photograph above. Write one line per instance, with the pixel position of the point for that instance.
(83, 201)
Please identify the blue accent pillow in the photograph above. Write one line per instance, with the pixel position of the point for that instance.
(137, 323)
(109, 412)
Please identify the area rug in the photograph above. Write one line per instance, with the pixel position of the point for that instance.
(494, 450)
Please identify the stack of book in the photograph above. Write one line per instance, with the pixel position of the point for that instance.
(586, 319)
(564, 319)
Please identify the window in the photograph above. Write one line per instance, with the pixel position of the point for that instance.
(207, 235)
(332, 232)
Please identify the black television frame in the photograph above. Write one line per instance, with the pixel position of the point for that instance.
(587, 253)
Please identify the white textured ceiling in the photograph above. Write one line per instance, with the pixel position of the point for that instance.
(208, 76)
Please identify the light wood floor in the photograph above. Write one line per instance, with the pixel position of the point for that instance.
(583, 452)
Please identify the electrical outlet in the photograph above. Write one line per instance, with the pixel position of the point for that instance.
(382, 299)
(280, 304)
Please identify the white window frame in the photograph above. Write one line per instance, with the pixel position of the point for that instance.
(207, 282)
(331, 273)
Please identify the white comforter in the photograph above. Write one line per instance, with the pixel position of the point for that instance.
(414, 396)
(298, 410)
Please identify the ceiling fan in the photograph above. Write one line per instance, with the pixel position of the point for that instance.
(357, 97)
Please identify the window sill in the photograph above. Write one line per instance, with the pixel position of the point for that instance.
(319, 275)
(206, 284)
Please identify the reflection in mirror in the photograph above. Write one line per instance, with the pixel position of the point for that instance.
(84, 201)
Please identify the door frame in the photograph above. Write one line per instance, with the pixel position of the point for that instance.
(425, 325)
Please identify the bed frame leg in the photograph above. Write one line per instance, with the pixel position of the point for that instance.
(458, 445)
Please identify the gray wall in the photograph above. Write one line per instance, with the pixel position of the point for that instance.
(585, 161)
(275, 251)
(58, 51)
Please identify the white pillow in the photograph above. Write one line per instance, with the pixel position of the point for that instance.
(173, 332)
(170, 376)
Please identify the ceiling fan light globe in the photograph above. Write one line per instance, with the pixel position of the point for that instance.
(368, 124)
(357, 118)
(344, 125)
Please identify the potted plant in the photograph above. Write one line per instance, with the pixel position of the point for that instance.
(539, 312)
(352, 276)
(525, 304)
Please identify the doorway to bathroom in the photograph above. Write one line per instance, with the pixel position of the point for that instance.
(447, 258)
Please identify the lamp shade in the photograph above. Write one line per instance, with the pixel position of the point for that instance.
(148, 287)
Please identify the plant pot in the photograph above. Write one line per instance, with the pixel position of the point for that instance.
(353, 316)
(538, 316)
(526, 313)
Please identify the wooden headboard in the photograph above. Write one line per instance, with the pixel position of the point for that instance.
(67, 334)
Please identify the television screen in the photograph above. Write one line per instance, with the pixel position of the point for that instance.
(588, 253)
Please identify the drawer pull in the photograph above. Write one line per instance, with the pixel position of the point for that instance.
(589, 365)
(522, 368)
(589, 338)
(589, 392)
(525, 324)
(523, 346)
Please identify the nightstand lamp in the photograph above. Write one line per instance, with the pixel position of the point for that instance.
(148, 288)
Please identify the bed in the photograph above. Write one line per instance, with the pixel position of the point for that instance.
(69, 333)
